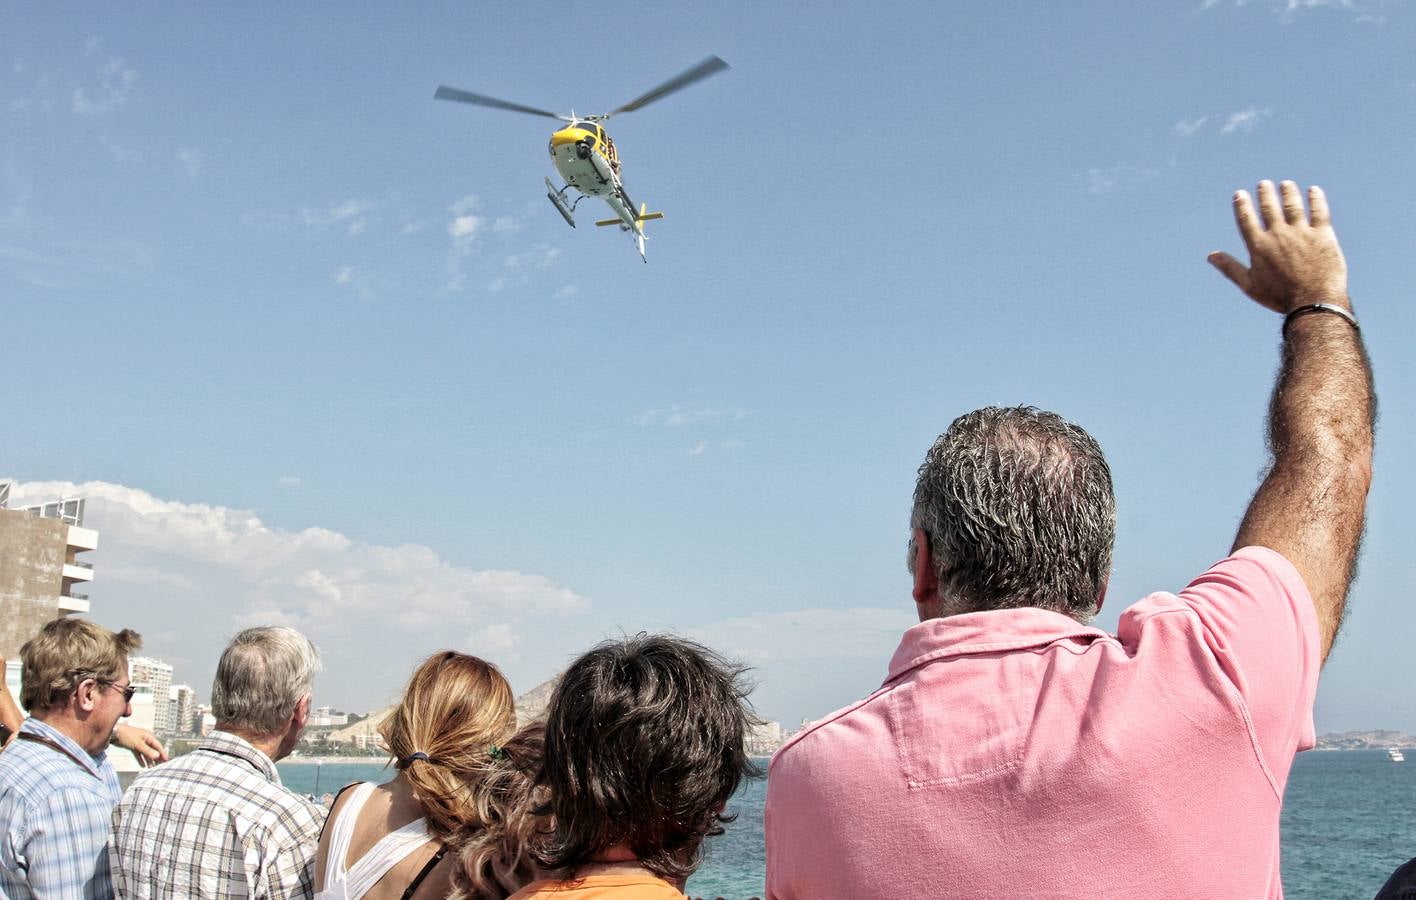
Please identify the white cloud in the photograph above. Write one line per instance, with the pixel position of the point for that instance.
(1289, 10)
(115, 81)
(464, 228)
(1118, 177)
(119, 153)
(566, 292)
(698, 449)
(1187, 127)
(370, 607)
(506, 225)
(291, 481)
(537, 257)
(350, 215)
(344, 275)
(833, 634)
(191, 161)
(464, 205)
(676, 416)
(1244, 120)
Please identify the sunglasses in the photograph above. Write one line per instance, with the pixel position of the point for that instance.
(128, 689)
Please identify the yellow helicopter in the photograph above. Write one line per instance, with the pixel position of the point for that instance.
(585, 156)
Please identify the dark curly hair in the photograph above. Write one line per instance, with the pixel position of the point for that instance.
(493, 851)
(644, 746)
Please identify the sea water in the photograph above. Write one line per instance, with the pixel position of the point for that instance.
(1349, 819)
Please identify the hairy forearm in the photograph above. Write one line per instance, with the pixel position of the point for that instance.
(1311, 505)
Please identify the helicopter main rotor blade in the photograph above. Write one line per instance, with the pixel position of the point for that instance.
(449, 93)
(708, 67)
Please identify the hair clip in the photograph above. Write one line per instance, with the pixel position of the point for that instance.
(496, 752)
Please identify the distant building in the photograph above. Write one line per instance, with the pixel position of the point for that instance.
(155, 676)
(182, 706)
(39, 566)
(764, 739)
(323, 717)
(203, 722)
(145, 708)
(363, 734)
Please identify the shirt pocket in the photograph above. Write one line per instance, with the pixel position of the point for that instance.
(940, 742)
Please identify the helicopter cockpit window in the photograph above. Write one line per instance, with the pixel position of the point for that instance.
(590, 127)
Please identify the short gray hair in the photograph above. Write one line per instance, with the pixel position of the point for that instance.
(262, 676)
(1019, 509)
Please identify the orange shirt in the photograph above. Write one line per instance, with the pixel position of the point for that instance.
(641, 885)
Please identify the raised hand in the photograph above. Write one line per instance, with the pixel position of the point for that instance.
(1294, 257)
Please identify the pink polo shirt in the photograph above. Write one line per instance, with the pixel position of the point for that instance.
(1018, 753)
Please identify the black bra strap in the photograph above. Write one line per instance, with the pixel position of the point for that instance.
(423, 873)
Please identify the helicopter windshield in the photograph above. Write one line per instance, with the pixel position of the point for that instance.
(588, 126)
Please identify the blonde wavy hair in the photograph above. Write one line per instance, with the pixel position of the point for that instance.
(455, 711)
(494, 858)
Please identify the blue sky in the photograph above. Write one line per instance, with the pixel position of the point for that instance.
(321, 352)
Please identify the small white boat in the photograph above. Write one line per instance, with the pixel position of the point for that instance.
(1396, 754)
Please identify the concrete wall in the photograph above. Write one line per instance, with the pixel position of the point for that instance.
(32, 552)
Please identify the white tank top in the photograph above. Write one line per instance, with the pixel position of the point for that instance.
(352, 883)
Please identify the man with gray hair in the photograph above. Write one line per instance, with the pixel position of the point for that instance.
(1016, 751)
(217, 822)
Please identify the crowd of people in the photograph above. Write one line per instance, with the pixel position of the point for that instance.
(1014, 750)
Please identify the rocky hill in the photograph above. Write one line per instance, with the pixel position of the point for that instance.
(1365, 740)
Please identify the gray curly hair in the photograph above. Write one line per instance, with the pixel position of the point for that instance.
(1019, 509)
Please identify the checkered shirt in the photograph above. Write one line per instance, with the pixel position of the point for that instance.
(215, 823)
(54, 815)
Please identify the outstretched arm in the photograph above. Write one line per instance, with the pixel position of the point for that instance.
(10, 715)
(1311, 505)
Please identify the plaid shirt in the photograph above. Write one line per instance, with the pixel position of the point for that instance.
(215, 823)
(54, 814)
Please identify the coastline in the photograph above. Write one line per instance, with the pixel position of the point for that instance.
(337, 760)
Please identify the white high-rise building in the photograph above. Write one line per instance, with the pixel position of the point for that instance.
(156, 675)
(183, 705)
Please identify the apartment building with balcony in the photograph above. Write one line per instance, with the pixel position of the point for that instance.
(40, 566)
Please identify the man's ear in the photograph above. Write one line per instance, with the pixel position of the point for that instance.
(1102, 598)
(926, 580)
(86, 694)
(301, 715)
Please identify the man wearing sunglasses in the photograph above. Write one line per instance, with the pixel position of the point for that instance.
(57, 788)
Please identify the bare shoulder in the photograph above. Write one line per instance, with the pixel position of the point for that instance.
(438, 883)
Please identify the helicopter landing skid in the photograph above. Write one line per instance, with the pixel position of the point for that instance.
(557, 198)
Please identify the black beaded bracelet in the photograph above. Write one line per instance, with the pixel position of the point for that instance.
(1319, 307)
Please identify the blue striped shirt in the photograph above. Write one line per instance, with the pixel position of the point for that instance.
(54, 817)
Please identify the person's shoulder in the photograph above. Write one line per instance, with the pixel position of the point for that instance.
(32, 773)
(821, 733)
(292, 818)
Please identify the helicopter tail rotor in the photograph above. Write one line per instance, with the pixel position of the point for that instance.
(638, 228)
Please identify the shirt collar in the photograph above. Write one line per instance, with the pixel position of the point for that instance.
(94, 763)
(993, 631)
(228, 744)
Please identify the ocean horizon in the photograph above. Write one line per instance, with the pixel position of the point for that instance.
(1347, 824)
